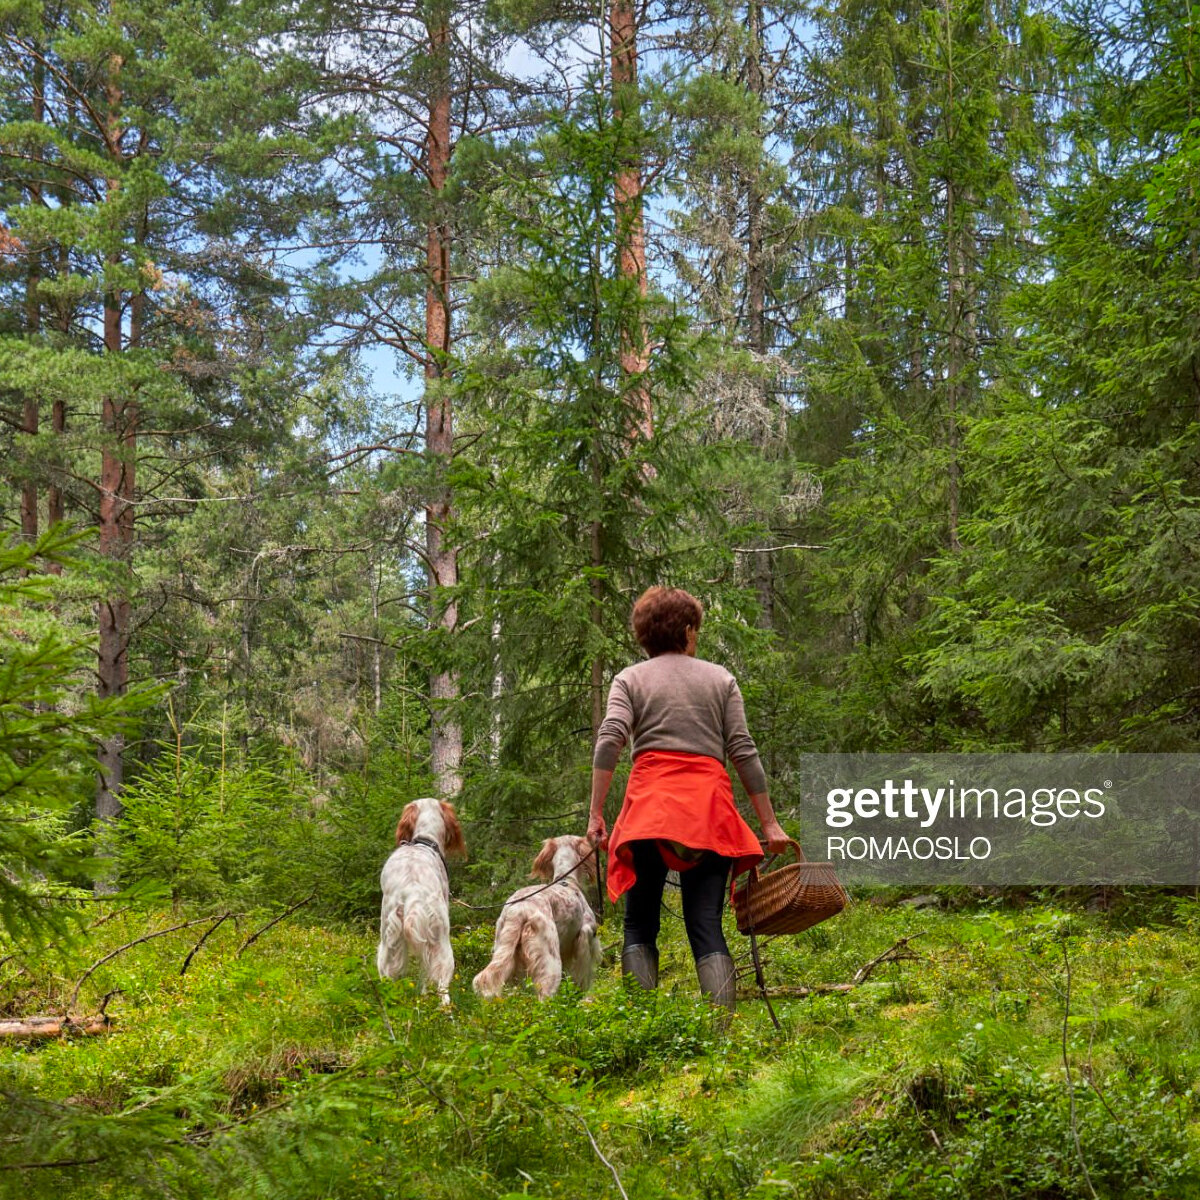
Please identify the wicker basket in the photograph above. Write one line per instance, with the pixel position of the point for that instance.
(791, 899)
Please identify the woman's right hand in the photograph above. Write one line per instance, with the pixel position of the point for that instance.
(773, 834)
(597, 832)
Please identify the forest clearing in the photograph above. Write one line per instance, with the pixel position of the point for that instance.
(292, 1071)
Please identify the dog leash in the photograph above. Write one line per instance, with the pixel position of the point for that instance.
(599, 890)
(517, 899)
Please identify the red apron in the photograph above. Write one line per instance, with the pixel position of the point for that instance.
(677, 797)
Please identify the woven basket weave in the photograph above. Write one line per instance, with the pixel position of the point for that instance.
(790, 899)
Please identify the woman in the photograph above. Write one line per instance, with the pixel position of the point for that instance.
(684, 717)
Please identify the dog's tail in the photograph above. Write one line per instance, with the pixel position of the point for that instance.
(524, 936)
(489, 983)
(540, 952)
(426, 924)
(389, 958)
(537, 930)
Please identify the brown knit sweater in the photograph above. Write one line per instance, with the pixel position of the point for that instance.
(676, 702)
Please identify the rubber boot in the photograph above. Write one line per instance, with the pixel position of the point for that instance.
(642, 963)
(717, 980)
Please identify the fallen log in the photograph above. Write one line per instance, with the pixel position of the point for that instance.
(52, 1027)
(897, 952)
(789, 992)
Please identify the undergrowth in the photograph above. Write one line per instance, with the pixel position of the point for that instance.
(1028, 1052)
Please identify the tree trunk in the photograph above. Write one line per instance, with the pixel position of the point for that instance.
(113, 609)
(116, 515)
(761, 566)
(596, 557)
(377, 644)
(55, 508)
(756, 275)
(627, 194)
(497, 730)
(953, 368)
(954, 266)
(442, 564)
(33, 325)
(29, 415)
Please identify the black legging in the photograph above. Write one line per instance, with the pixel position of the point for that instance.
(703, 890)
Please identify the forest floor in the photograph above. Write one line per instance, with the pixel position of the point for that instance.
(1029, 1051)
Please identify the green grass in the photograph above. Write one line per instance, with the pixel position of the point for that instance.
(291, 1073)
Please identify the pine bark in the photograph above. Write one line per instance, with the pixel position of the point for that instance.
(29, 414)
(628, 203)
(441, 555)
(33, 325)
(761, 566)
(954, 307)
(116, 513)
(52, 1027)
(954, 365)
(756, 273)
(55, 505)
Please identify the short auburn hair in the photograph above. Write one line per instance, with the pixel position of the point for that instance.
(661, 618)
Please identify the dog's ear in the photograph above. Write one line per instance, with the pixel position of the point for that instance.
(408, 824)
(587, 857)
(455, 846)
(543, 865)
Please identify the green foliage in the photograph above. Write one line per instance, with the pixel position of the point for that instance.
(290, 1069)
(582, 508)
(623, 1032)
(50, 724)
(1009, 1130)
(356, 831)
(209, 831)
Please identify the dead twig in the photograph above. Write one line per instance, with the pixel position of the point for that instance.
(387, 1021)
(148, 937)
(895, 953)
(200, 1136)
(599, 1152)
(55, 1164)
(287, 912)
(586, 1129)
(898, 952)
(1086, 1072)
(1066, 1021)
(187, 962)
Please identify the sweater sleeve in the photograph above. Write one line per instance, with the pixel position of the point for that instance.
(616, 727)
(739, 745)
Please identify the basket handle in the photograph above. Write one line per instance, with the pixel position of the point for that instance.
(795, 848)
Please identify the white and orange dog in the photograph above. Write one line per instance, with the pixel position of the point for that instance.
(542, 930)
(415, 919)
